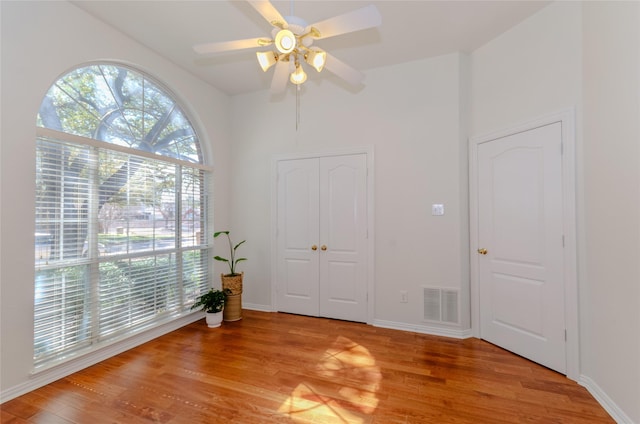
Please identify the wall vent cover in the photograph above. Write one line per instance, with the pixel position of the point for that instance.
(441, 305)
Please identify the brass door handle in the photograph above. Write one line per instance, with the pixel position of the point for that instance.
(482, 251)
(323, 247)
(314, 247)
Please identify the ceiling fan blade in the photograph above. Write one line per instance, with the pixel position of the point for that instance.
(359, 19)
(344, 71)
(280, 77)
(269, 12)
(223, 46)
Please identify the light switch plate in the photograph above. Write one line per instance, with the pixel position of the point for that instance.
(437, 209)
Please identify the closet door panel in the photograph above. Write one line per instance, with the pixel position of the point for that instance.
(298, 227)
(343, 279)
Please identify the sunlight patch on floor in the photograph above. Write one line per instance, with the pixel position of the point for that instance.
(342, 388)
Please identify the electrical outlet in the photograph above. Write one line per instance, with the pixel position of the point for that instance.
(404, 296)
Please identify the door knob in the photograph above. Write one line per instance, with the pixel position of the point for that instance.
(482, 251)
(314, 247)
(323, 247)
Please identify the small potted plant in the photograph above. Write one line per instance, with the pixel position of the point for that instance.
(231, 282)
(212, 303)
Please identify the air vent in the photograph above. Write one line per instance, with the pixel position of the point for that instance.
(450, 306)
(441, 305)
(431, 304)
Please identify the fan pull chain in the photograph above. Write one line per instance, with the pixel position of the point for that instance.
(297, 107)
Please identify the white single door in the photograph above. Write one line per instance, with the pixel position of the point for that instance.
(322, 237)
(343, 237)
(297, 236)
(521, 286)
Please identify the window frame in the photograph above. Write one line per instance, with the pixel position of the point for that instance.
(94, 259)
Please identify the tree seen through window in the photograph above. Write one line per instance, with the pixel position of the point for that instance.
(119, 234)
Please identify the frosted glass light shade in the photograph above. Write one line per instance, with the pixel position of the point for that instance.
(316, 58)
(298, 76)
(266, 59)
(285, 41)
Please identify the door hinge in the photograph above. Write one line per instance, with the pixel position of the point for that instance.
(565, 335)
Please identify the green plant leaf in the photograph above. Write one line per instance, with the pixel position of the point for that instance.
(232, 261)
(211, 301)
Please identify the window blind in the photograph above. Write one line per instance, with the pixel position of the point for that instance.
(119, 244)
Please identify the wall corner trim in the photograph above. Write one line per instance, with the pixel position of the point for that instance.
(604, 400)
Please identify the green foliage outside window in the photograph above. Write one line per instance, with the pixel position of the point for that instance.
(119, 235)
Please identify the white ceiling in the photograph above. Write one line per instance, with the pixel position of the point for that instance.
(410, 30)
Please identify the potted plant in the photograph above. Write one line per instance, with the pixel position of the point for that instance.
(212, 303)
(231, 282)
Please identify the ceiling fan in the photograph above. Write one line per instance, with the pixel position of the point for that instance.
(293, 40)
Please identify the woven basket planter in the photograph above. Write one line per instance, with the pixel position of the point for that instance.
(233, 305)
(233, 308)
(232, 282)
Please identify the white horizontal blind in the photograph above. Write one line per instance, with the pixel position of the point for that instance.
(62, 311)
(119, 245)
(62, 298)
(194, 273)
(63, 197)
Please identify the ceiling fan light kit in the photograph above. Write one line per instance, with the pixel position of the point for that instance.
(292, 39)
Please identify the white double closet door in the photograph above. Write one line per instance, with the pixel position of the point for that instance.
(321, 237)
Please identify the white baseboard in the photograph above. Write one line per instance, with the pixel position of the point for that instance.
(256, 307)
(605, 401)
(49, 375)
(424, 329)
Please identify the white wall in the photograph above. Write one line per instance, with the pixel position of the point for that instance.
(548, 63)
(611, 345)
(410, 114)
(531, 70)
(415, 117)
(40, 42)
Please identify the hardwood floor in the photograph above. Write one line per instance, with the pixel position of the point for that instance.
(280, 368)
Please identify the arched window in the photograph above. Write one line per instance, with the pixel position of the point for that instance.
(121, 211)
